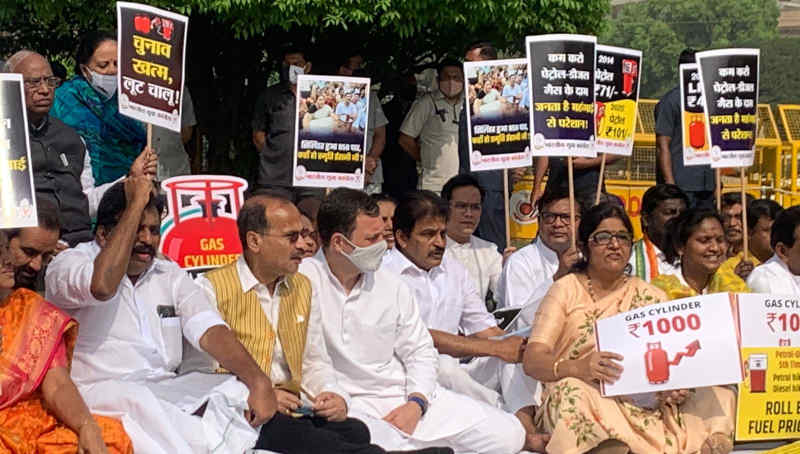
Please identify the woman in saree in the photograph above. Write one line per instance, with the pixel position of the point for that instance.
(561, 353)
(40, 408)
(696, 246)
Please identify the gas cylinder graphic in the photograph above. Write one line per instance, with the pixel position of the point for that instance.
(657, 363)
(200, 230)
(630, 69)
(697, 133)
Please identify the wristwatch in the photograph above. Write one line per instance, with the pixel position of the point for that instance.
(421, 402)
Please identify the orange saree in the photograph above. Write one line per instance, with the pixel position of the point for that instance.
(34, 338)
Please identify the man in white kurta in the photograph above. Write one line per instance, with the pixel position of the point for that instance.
(660, 204)
(780, 275)
(381, 348)
(134, 310)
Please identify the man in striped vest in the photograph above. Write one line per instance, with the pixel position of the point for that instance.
(660, 203)
(267, 304)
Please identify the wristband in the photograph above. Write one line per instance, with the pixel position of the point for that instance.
(421, 402)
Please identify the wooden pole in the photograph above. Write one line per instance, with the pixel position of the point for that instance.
(718, 183)
(744, 212)
(149, 135)
(571, 203)
(506, 207)
(600, 179)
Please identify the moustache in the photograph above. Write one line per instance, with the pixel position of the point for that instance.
(144, 249)
(437, 252)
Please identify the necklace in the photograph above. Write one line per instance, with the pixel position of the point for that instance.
(591, 289)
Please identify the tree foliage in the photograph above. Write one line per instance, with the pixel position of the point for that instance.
(663, 28)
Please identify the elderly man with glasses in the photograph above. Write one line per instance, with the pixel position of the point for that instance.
(62, 168)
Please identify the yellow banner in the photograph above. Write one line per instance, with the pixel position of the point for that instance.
(793, 448)
(769, 397)
(618, 120)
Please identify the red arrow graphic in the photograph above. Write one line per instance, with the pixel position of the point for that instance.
(691, 349)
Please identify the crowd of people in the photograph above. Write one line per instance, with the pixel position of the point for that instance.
(500, 92)
(352, 322)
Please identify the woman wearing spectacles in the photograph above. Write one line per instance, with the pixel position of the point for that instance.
(561, 353)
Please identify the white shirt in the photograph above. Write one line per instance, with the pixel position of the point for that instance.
(773, 276)
(481, 259)
(447, 298)
(377, 341)
(527, 275)
(93, 193)
(124, 338)
(318, 374)
(438, 140)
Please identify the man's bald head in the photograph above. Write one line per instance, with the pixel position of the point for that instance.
(39, 82)
(270, 230)
(253, 214)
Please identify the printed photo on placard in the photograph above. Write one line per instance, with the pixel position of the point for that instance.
(151, 50)
(331, 131)
(498, 114)
(17, 194)
(562, 94)
(616, 97)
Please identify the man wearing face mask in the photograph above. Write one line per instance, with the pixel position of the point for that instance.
(274, 122)
(429, 133)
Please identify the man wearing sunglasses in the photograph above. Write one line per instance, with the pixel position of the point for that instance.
(62, 170)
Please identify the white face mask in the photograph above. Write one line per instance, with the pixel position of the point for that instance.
(106, 84)
(451, 88)
(295, 71)
(366, 259)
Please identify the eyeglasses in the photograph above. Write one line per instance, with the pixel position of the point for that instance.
(35, 82)
(603, 238)
(549, 217)
(463, 206)
(291, 236)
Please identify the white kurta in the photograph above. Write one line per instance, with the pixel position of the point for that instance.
(383, 352)
(481, 259)
(449, 302)
(126, 355)
(527, 276)
(318, 373)
(773, 276)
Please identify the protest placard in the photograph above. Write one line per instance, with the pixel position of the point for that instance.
(730, 98)
(331, 131)
(768, 407)
(562, 94)
(693, 121)
(616, 97)
(17, 196)
(151, 46)
(200, 228)
(498, 114)
(684, 343)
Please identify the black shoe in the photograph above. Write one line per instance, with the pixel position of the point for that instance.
(425, 451)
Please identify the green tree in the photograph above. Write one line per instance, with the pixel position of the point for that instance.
(663, 28)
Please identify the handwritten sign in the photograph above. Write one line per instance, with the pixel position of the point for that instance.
(17, 196)
(730, 95)
(562, 69)
(616, 97)
(331, 132)
(768, 407)
(684, 343)
(498, 114)
(151, 51)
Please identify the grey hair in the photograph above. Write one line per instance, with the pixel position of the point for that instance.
(16, 59)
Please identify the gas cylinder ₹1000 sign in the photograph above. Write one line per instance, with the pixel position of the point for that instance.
(685, 343)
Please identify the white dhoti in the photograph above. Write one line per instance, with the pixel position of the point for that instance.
(464, 424)
(490, 380)
(158, 416)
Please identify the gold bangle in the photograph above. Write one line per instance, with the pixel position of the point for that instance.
(555, 367)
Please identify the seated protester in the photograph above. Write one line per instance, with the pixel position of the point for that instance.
(40, 408)
(562, 354)
(62, 168)
(660, 203)
(32, 248)
(761, 214)
(380, 347)
(268, 305)
(732, 222)
(479, 257)
(780, 275)
(386, 205)
(530, 272)
(696, 247)
(309, 236)
(134, 309)
(451, 304)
